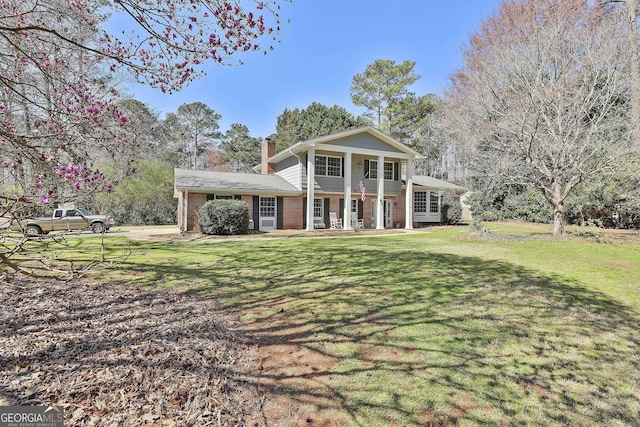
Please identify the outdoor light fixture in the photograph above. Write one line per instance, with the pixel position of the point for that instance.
(360, 164)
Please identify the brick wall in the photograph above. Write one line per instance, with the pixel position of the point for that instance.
(293, 214)
(195, 202)
(399, 210)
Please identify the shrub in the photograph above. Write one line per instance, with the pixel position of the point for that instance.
(224, 217)
(451, 212)
(528, 206)
(510, 203)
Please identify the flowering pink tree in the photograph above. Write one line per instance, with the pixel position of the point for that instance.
(58, 111)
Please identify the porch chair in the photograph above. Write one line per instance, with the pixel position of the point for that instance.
(334, 221)
(357, 224)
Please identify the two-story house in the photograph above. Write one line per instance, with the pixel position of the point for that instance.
(360, 173)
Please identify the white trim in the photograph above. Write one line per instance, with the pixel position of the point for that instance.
(409, 196)
(347, 192)
(186, 210)
(364, 151)
(379, 204)
(311, 172)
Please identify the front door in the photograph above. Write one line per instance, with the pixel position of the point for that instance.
(388, 214)
(387, 208)
(268, 220)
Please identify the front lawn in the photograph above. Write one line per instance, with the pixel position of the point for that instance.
(439, 328)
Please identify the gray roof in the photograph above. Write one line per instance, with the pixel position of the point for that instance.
(230, 182)
(429, 182)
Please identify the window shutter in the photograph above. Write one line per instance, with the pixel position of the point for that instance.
(396, 171)
(342, 208)
(279, 213)
(326, 212)
(342, 162)
(366, 168)
(256, 212)
(360, 209)
(304, 213)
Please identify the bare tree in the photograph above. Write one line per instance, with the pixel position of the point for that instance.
(632, 10)
(543, 98)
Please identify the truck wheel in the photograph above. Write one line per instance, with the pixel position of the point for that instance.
(32, 230)
(97, 227)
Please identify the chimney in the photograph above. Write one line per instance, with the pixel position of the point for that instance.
(268, 150)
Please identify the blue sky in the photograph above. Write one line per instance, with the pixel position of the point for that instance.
(324, 46)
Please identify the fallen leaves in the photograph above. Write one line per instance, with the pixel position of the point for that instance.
(117, 355)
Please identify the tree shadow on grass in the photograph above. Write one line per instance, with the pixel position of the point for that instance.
(374, 333)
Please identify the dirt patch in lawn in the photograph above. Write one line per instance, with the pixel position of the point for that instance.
(117, 355)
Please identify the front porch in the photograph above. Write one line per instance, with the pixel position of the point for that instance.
(382, 212)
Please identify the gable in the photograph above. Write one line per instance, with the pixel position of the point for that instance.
(365, 141)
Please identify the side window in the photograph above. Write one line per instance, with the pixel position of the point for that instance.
(318, 209)
(420, 201)
(434, 198)
(57, 213)
(71, 212)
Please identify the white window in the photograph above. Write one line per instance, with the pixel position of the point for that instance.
(373, 169)
(420, 201)
(389, 169)
(321, 165)
(328, 166)
(219, 197)
(267, 206)
(433, 202)
(318, 209)
(334, 166)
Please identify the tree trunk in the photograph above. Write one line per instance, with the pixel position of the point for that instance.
(558, 220)
(558, 210)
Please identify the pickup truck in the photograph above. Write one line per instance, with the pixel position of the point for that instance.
(63, 219)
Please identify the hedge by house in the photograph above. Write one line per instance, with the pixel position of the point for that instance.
(224, 217)
(451, 210)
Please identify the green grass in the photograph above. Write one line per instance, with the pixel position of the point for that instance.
(432, 328)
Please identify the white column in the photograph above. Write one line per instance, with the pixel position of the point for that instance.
(346, 212)
(311, 177)
(380, 203)
(409, 197)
